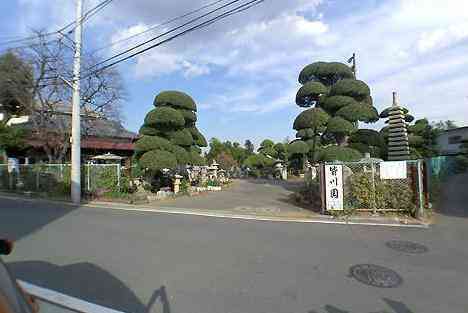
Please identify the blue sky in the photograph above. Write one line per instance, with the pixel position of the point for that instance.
(243, 71)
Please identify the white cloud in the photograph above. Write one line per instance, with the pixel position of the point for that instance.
(417, 47)
(441, 38)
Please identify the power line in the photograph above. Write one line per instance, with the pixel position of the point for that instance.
(90, 13)
(156, 26)
(167, 32)
(237, 9)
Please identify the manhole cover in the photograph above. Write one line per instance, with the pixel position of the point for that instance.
(406, 246)
(375, 275)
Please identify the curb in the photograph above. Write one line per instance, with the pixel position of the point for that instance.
(218, 214)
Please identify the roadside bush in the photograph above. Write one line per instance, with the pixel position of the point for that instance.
(386, 195)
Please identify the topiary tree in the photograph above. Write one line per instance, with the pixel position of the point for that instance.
(299, 149)
(267, 148)
(169, 137)
(338, 101)
(368, 141)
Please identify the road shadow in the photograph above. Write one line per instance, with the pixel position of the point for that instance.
(12, 212)
(91, 283)
(395, 306)
(453, 199)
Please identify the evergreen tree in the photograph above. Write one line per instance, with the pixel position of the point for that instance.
(337, 102)
(169, 136)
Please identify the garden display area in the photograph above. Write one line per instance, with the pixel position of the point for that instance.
(173, 161)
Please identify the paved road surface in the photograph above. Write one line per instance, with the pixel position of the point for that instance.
(244, 195)
(147, 262)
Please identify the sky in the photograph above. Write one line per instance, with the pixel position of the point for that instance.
(242, 71)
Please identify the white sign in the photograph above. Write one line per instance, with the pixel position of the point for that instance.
(334, 187)
(393, 170)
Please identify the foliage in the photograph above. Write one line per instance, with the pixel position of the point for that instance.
(357, 112)
(258, 161)
(156, 160)
(12, 138)
(310, 93)
(198, 138)
(249, 146)
(226, 161)
(148, 143)
(325, 72)
(235, 150)
(169, 131)
(298, 147)
(339, 100)
(148, 130)
(334, 153)
(281, 151)
(164, 118)
(16, 76)
(382, 194)
(175, 99)
(314, 118)
(31, 84)
(368, 136)
(181, 137)
(189, 116)
(334, 103)
(339, 125)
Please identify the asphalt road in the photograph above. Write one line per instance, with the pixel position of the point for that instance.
(152, 262)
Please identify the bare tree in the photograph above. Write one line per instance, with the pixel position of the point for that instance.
(39, 87)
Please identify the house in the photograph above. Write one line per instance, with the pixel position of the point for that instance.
(448, 142)
(99, 136)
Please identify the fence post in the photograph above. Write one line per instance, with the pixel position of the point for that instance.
(88, 176)
(420, 210)
(322, 186)
(374, 211)
(38, 170)
(118, 176)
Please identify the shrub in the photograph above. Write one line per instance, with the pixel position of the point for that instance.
(385, 195)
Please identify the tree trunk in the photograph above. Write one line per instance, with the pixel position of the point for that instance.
(314, 142)
(304, 162)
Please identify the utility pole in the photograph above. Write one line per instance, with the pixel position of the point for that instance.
(76, 123)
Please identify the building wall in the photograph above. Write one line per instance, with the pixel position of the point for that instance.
(448, 142)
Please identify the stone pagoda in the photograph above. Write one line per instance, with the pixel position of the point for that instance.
(398, 147)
